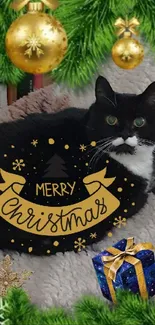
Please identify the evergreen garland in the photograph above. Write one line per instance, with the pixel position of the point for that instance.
(89, 310)
(9, 74)
(90, 28)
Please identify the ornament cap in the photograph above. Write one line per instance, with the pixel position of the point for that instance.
(35, 6)
(19, 4)
(127, 34)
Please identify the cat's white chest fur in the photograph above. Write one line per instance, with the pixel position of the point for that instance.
(141, 163)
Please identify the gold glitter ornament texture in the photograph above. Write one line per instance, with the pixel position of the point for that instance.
(9, 278)
(127, 53)
(36, 42)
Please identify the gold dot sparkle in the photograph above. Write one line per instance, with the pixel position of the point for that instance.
(66, 146)
(86, 164)
(51, 141)
(93, 143)
(109, 234)
(132, 184)
(119, 189)
(12, 240)
(133, 204)
(5, 155)
(12, 146)
(107, 161)
(30, 249)
(125, 179)
(56, 243)
(48, 251)
(125, 210)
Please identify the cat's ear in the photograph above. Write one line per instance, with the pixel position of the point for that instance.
(104, 92)
(149, 94)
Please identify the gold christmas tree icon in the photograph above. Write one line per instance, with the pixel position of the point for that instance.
(10, 279)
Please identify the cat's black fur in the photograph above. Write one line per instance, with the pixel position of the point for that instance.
(82, 126)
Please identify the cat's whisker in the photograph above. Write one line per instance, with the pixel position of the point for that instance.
(103, 152)
(100, 142)
(146, 143)
(100, 153)
(99, 149)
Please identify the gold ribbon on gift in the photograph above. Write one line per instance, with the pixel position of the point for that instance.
(19, 4)
(118, 257)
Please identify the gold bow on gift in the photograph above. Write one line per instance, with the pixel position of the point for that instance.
(114, 262)
(126, 26)
(19, 4)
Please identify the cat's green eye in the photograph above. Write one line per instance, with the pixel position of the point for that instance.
(111, 120)
(139, 122)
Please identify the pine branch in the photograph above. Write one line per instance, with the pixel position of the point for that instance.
(132, 309)
(89, 310)
(9, 74)
(89, 26)
(92, 310)
(3, 312)
(20, 310)
(144, 10)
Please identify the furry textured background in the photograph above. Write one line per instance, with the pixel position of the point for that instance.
(61, 279)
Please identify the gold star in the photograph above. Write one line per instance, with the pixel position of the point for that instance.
(79, 244)
(82, 147)
(119, 222)
(126, 57)
(93, 235)
(34, 143)
(8, 278)
(33, 43)
(18, 164)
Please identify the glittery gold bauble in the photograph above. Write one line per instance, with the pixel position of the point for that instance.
(36, 42)
(127, 53)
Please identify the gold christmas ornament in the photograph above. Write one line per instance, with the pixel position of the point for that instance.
(36, 42)
(127, 52)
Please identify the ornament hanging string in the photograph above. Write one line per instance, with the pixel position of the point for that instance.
(19, 4)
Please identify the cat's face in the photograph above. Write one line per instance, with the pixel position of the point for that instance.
(122, 123)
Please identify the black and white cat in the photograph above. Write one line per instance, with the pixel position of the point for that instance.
(122, 126)
(128, 122)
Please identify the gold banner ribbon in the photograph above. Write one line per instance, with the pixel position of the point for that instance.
(114, 262)
(19, 4)
(57, 220)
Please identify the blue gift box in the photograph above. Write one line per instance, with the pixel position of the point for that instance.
(126, 278)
